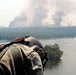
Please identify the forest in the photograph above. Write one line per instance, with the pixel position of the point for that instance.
(7, 33)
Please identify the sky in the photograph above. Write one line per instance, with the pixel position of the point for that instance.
(10, 9)
(37, 13)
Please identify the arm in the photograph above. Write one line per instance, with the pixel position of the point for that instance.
(37, 72)
(36, 64)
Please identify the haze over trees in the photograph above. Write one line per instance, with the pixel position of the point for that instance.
(38, 32)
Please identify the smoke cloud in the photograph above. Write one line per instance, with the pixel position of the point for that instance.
(46, 12)
(19, 21)
(57, 18)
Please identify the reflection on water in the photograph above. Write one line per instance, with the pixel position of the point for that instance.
(52, 65)
(67, 65)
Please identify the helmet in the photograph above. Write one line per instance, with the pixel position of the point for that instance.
(35, 45)
(32, 41)
(28, 40)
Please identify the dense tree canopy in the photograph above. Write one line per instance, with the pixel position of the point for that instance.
(54, 53)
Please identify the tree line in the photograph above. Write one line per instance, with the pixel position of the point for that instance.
(40, 33)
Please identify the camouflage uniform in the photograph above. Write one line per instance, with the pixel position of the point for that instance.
(32, 64)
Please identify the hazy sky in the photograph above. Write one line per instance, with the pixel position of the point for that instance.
(44, 12)
(9, 9)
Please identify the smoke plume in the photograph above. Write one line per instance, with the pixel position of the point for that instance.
(57, 18)
(45, 12)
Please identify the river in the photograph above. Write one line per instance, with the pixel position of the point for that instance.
(67, 66)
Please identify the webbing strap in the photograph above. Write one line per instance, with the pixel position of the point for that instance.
(18, 62)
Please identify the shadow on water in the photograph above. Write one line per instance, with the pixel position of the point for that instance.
(51, 65)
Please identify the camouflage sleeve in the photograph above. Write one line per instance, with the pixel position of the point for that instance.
(36, 63)
(6, 63)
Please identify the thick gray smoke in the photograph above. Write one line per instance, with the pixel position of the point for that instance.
(39, 12)
(57, 18)
(39, 15)
(63, 8)
(33, 16)
(19, 21)
(44, 12)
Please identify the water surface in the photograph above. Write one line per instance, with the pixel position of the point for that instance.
(68, 64)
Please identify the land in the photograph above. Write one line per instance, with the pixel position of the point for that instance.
(7, 33)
